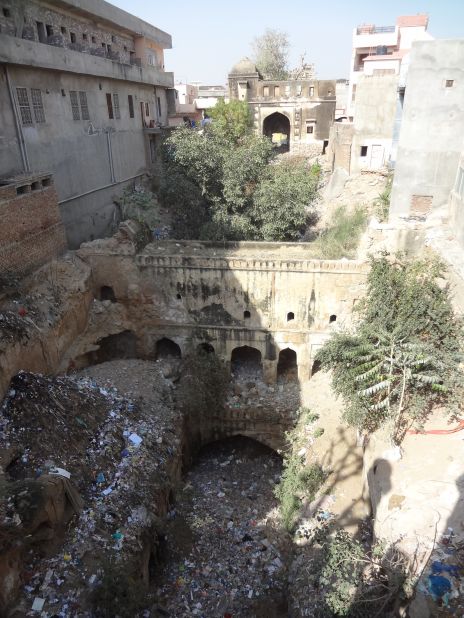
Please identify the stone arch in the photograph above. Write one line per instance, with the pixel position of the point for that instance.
(316, 366)
(107, 293)
(287, 366)
(205, 348)
(166, 348)
(247, 361)
(277, 123)
(113, 347)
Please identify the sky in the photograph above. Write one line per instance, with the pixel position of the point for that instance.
(209, 37)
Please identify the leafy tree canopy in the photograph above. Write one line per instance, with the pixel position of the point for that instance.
(219, 186)
(270, 54)
(404, 355)
(233, 119)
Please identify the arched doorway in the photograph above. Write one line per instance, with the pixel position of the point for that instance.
(166, 348)
(246, 362)
(287, 367)
(277, 128)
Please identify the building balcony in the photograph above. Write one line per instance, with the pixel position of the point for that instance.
(27, 53)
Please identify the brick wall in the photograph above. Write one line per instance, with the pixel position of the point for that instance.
(31, 230)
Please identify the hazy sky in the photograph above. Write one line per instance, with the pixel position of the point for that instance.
(208, 36)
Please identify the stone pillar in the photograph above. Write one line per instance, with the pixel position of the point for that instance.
(270, 371)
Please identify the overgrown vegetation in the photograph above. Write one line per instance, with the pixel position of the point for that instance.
(341, 238)
(359, 582)
(299, 481)
(141, 206)
(382, 203)
(403, 358)
(270, 54)
(219, 183)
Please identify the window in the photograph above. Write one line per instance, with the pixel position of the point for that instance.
(158, 100)
(41, 32)
(298, 90)
(363, 151)
(353, 93)
(84, 106)
(84, 36)
(37, 104)
(290, 316)
(449, 83)
(94, 40)
(130, 100)
(310, 128)
(63, 30)
(109, 103)
(125, 48)
(265, 91)
(6, 12)
(333, 318)
(246, 315)
(24, 107)
(74, 105)
(117, 111)
(153, 150)
(113, 38)
(151, 60)
(49, 30)
(311, 91)
(277, 91)
(73, 37)
(147, 109)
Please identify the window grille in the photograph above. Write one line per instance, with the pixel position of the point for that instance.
(109, 103)
(130, 99)
(74, 105)
(24, 107)
(37, 104)
(84, 106)
(117, 111)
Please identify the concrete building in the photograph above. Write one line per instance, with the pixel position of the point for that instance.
(193, 101)
(296, 113)
(430, 160)
(379, 50)
(379, 63)
(83, 96)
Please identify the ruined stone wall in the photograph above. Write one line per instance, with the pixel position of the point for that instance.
(31, 230)
(339, 149)
(269, 296)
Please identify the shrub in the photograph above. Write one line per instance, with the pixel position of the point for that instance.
(404, 355)
(341, 238)
(118, 593)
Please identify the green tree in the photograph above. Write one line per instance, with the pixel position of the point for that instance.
(233, 119)
(283, 201)
(404, 355)
(270, 54)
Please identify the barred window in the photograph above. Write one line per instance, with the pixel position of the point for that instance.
(24, 107)
(117, 111)
(130, 98)
(74, 105)
(84, 106)
(109, 103)
(37, 104)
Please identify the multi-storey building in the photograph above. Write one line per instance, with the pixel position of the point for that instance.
(297, 113)
(379, 50)
(83, 95)
(379, 64)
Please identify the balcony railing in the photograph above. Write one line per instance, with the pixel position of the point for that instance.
(374, 29)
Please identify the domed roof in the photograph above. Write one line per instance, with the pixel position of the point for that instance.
(244, 67)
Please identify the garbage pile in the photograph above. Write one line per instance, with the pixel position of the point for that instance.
(229, 549)
(119, 451)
